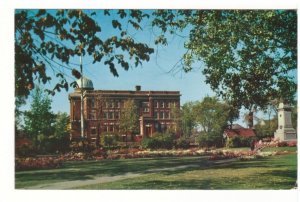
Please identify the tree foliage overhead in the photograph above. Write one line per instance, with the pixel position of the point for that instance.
(249, 56)
(50, 39)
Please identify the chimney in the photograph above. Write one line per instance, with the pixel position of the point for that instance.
(138, 88)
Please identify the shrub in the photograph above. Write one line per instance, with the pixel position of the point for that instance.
(109, 140)
(159, 141)
(183, 143)
(210, 140)
(238, 141)
(26, 150)
(282, 144)
(36, 163)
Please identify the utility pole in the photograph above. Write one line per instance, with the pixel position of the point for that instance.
(81, 99)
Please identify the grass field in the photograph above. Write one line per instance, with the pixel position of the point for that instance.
(275, 172)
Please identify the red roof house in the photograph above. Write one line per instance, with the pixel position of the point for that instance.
(242, 132)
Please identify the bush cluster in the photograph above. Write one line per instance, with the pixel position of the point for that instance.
(210, 140)
(26, 150)
(238, 141)
(37, 163)
(159, 141)
(183, 143)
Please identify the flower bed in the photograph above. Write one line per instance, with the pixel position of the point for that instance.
(101, 154)
(31, 163)
(220, 155)
(276, 143)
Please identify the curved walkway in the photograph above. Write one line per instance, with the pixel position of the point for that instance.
(104, 179)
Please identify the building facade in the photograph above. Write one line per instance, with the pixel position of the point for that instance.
(102, 110)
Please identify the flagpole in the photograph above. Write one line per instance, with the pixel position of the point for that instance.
(81, 90)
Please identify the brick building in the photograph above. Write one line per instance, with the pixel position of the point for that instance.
(102, 110)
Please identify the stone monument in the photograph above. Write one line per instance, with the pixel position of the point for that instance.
(285, 131)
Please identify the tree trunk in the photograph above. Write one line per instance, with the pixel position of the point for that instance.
(250, 119)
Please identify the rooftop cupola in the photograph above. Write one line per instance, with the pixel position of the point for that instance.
(87, 84)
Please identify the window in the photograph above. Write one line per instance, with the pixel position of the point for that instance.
(156, 114)
(93, 131)
(105, 115)
(167, 115)
(110, 115)
(92, 101)
(105, 128)
(174, 104)
(161, 115)
(111, 128)
(117, 115)
(162, 104)
(156, 104)
(118, 104)
(145, 106)
(92, 115)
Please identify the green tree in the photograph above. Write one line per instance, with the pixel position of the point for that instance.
(188, 118)
(176, 116)
(39, 120)
(233, 113)
(61, 126)
(129, 119)
(51, 39)
(249, 56)
(109, 140)
(266, 128)
(62, 131)
(211, 115)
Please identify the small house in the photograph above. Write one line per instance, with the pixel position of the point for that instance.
(244, 136)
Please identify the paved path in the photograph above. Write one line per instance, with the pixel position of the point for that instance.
(78, 183)
(104, 179)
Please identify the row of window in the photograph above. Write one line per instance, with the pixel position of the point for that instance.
(107, 128)
(145, 105)
(115, 128)
(162, 114)
(164, 104)
(105, 115)
(107, 104)
(111, 115)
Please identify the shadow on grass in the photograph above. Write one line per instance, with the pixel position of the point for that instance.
(90, 169)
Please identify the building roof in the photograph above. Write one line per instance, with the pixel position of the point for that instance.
(243, 132)
(127, 93)
(236, 126)
(86, 83)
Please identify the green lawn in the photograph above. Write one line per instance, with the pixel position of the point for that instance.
(276, 172)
